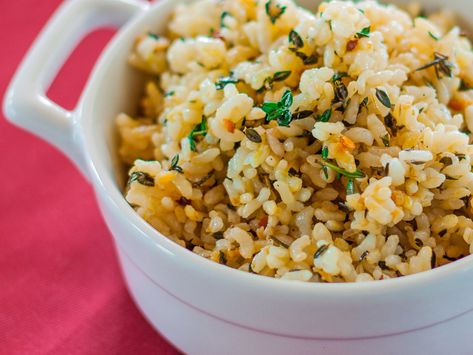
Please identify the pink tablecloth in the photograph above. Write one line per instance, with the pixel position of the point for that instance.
(61, 291)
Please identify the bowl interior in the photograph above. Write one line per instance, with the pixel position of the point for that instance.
(117, 87)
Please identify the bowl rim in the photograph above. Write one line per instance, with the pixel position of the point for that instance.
(105, 183)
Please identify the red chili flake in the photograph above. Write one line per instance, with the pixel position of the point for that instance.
(263, 222)
(229, 125)
(351, 45)
(183, 201)
(217, 34)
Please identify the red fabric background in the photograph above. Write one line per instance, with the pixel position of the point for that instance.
(61, 290)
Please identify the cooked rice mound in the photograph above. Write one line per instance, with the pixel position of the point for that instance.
(321, 147)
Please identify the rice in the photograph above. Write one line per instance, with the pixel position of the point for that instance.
(319, 147)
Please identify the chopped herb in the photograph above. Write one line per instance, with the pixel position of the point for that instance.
(351, 44)
(301, 114)
(274, 12)
(433, 36)
(169, 93)
(361, 11)
(350, 187)
(141, 177)
(279, 242)
(325, 170)
(250, 268)
(466, 131)
(386, 169)
(296, 39)
(325, 153)
(307, 60)
(203, 180)
(153, 35)
(386, 140)
(325, 117)
(440, 64)
(222, 82)
(330, 24)
(312, 59)
(183, 201)
(342, 205)
(419, 242)
(364, 102)
(222, 18)
(252, 135)
(363, 256)
(279, 111)
(421, 110)
(341, 92)
(365, 32)
(218, 235)
(321, 251)
(383, 266)
(446, 257)
(222, 259)
(293, 172)
(281, 75)
(174, 166)
(460, 156)
(464, 86)
(338, 76)
(446, 161)
(357, 174)
(390, 123)
(433, 260)
(278, 76)
(199, 130)
(383, 98)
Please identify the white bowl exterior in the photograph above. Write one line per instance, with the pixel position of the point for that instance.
(297, 311)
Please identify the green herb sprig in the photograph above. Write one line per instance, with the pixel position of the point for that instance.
(279, 111)
(355, 175)
(440, 64)
(199, 130)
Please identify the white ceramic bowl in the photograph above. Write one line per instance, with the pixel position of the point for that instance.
(200, 306)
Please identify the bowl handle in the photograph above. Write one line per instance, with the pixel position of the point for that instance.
(25, 103)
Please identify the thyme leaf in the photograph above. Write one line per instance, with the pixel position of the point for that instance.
(350, 187)
(278, 76)
(199, 130)
(253, 135)
(222, 82)
(174, 166)
(355, 175)
(296, 39)
(274, 12)
(440, 64)
(141, 177)
(321, 251)
(433, 36)
(279, 111)
(301, 114)
(325, 117)
(325, 153)
(383, 98)
(365, 32)
(222, 18)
